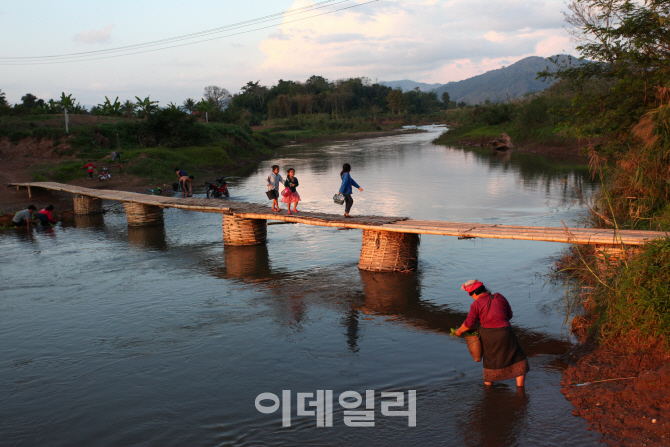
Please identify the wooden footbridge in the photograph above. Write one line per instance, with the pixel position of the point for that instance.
(389, 243)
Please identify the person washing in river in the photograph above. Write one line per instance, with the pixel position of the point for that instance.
(273, 181)
(25, 218)
(345, 188)
(45, 216)
(187, 185)
(504, 357)
(180, 173)
(290, 194)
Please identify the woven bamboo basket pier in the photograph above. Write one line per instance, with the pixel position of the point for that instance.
(84, 205)
(241, 231)
(385, 251)
(139, 215)
(613, 255)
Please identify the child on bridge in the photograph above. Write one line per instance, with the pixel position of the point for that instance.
(290, 194)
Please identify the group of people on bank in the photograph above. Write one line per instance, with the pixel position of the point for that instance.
(290, 194)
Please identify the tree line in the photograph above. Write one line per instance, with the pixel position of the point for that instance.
(255, 102)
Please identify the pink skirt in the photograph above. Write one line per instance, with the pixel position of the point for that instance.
(290, 198)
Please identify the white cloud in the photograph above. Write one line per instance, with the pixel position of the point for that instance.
(417, 39)
(95, 36)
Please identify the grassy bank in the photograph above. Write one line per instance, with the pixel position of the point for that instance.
(150, 148)
(538, 118)
(311, 127)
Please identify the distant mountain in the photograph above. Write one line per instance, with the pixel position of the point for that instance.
(407, 85)
(514, 81)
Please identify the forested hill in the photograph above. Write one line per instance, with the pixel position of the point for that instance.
(513, 80)
(407, 85)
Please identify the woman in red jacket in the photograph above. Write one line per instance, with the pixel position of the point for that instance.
(504, 357)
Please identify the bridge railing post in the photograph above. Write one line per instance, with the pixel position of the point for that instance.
(386, 251)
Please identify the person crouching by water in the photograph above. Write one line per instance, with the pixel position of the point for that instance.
(25, 218)
(186, 185)
(503, 356)
(290, 194)
(345, 189)
(45, 217)
(273, 181)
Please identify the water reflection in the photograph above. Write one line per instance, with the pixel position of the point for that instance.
(94, 221)
(496, 417)
(152, 237)
(250, 263)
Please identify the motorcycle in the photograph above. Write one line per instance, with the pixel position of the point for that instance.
(218, 189)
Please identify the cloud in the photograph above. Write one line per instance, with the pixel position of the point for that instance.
(416, 39)
(95, 36)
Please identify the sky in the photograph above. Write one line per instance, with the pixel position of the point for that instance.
(429, 41)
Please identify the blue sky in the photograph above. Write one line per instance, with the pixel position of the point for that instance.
(424, 40)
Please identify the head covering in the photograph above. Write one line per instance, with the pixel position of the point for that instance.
(472, 285)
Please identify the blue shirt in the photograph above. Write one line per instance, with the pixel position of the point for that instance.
(347, 182)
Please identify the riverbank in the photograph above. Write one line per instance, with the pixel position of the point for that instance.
(629, 411)
(481, 137)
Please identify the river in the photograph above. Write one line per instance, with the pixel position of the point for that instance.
(112, 335)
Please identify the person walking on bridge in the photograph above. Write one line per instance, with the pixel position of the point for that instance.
(504, 357)
(345, 188)
(290, 194)
(273, 181)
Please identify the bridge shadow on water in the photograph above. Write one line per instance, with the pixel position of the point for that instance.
(396, 297)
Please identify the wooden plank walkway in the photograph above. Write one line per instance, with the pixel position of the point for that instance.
(375, 223)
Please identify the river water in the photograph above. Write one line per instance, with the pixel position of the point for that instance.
(112, 335)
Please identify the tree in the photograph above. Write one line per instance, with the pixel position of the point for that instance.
(445, 99)
(189, 105)
(219, 97)
(66, 101)
(109, 108)
(3, 100)
(128, 108)
(146, 106)
(29, 101)
(395, 100)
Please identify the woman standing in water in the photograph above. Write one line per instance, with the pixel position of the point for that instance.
(345, 189)
(503, 356)
(290, 194)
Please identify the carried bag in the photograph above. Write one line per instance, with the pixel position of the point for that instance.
(272, 194)
(338, 198)
(474, 341)
(475, 347)
(286, 192)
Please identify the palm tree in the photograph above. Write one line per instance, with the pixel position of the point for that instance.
(205, 106)
(172, 106)
(66, 102)
(146, 106)
(3, 100)
(128, 108)
(190, 105)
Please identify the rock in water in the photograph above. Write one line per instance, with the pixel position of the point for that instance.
(502, 143)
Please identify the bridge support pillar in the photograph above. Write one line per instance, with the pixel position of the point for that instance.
(84, 205)
(240, 231)
(386, 251)
(613, 255)
(141, 215)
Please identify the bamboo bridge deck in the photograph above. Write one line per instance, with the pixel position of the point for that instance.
(244, 210)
